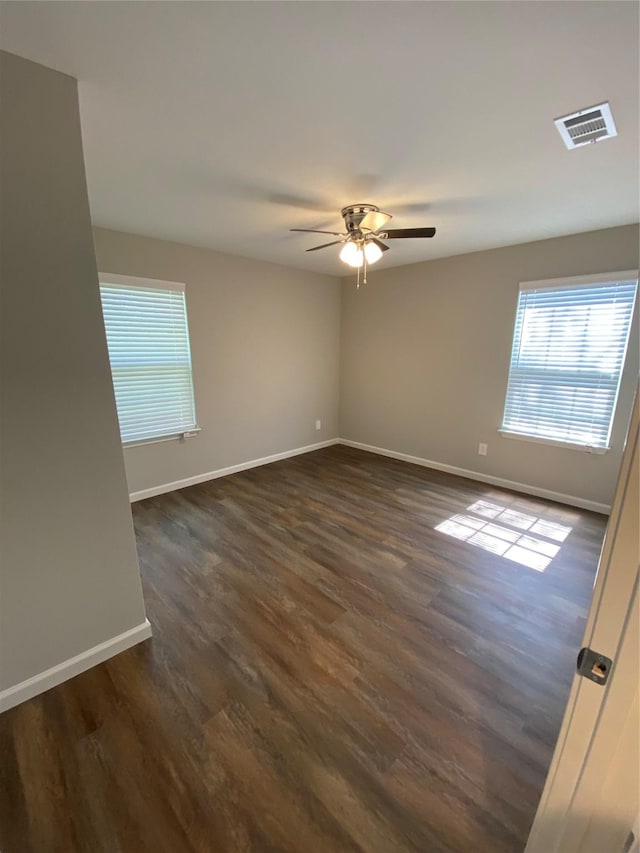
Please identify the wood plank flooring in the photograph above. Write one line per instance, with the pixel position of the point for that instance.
(328, 673)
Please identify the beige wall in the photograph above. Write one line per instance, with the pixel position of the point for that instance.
(265, 344)
(69, 571)
(425, 359)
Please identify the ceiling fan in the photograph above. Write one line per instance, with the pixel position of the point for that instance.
(365, 231)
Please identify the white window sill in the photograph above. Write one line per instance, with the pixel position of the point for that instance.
(569, 445)
(177, 436)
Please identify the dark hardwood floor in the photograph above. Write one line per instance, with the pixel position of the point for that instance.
(328, 672)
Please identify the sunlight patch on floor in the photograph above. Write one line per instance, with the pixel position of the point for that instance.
(511, 534)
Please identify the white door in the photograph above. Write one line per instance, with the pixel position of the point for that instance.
(591, 798)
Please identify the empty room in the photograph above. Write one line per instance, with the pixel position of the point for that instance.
(319, 427)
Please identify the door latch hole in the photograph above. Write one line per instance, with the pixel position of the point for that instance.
(593, 665)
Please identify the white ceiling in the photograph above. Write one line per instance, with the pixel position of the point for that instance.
(224, 124)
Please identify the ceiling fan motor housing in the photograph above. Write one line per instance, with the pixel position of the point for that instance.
(353, 215)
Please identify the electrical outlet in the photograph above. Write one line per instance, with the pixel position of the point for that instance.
(318, 424)
(482, 449)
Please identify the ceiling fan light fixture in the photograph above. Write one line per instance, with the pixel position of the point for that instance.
(372, 252)
(351, 254)
(354, 255)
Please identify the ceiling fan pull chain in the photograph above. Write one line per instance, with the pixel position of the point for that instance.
(358, 280)
(364, 266)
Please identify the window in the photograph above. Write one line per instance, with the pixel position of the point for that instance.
(569, 348)
(148, 339)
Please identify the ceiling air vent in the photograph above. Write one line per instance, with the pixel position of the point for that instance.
(585, 126)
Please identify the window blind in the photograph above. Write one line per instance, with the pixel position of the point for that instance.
(569, 348)
(148, 341)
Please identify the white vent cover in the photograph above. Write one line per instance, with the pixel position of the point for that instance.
(586, 126)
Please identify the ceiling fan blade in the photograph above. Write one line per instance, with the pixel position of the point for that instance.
(379, 244)
(324, 245)
(374, 220)
(314, 231)
(396, 233)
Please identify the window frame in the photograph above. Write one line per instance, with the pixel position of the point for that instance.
(559, 284)
(106, 278)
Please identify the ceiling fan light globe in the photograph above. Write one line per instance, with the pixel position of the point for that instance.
(372, 253)
(351, 255)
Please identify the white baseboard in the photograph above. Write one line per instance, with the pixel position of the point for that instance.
(525, 488)
(74, 666)
(571, 500)
(224, 472)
